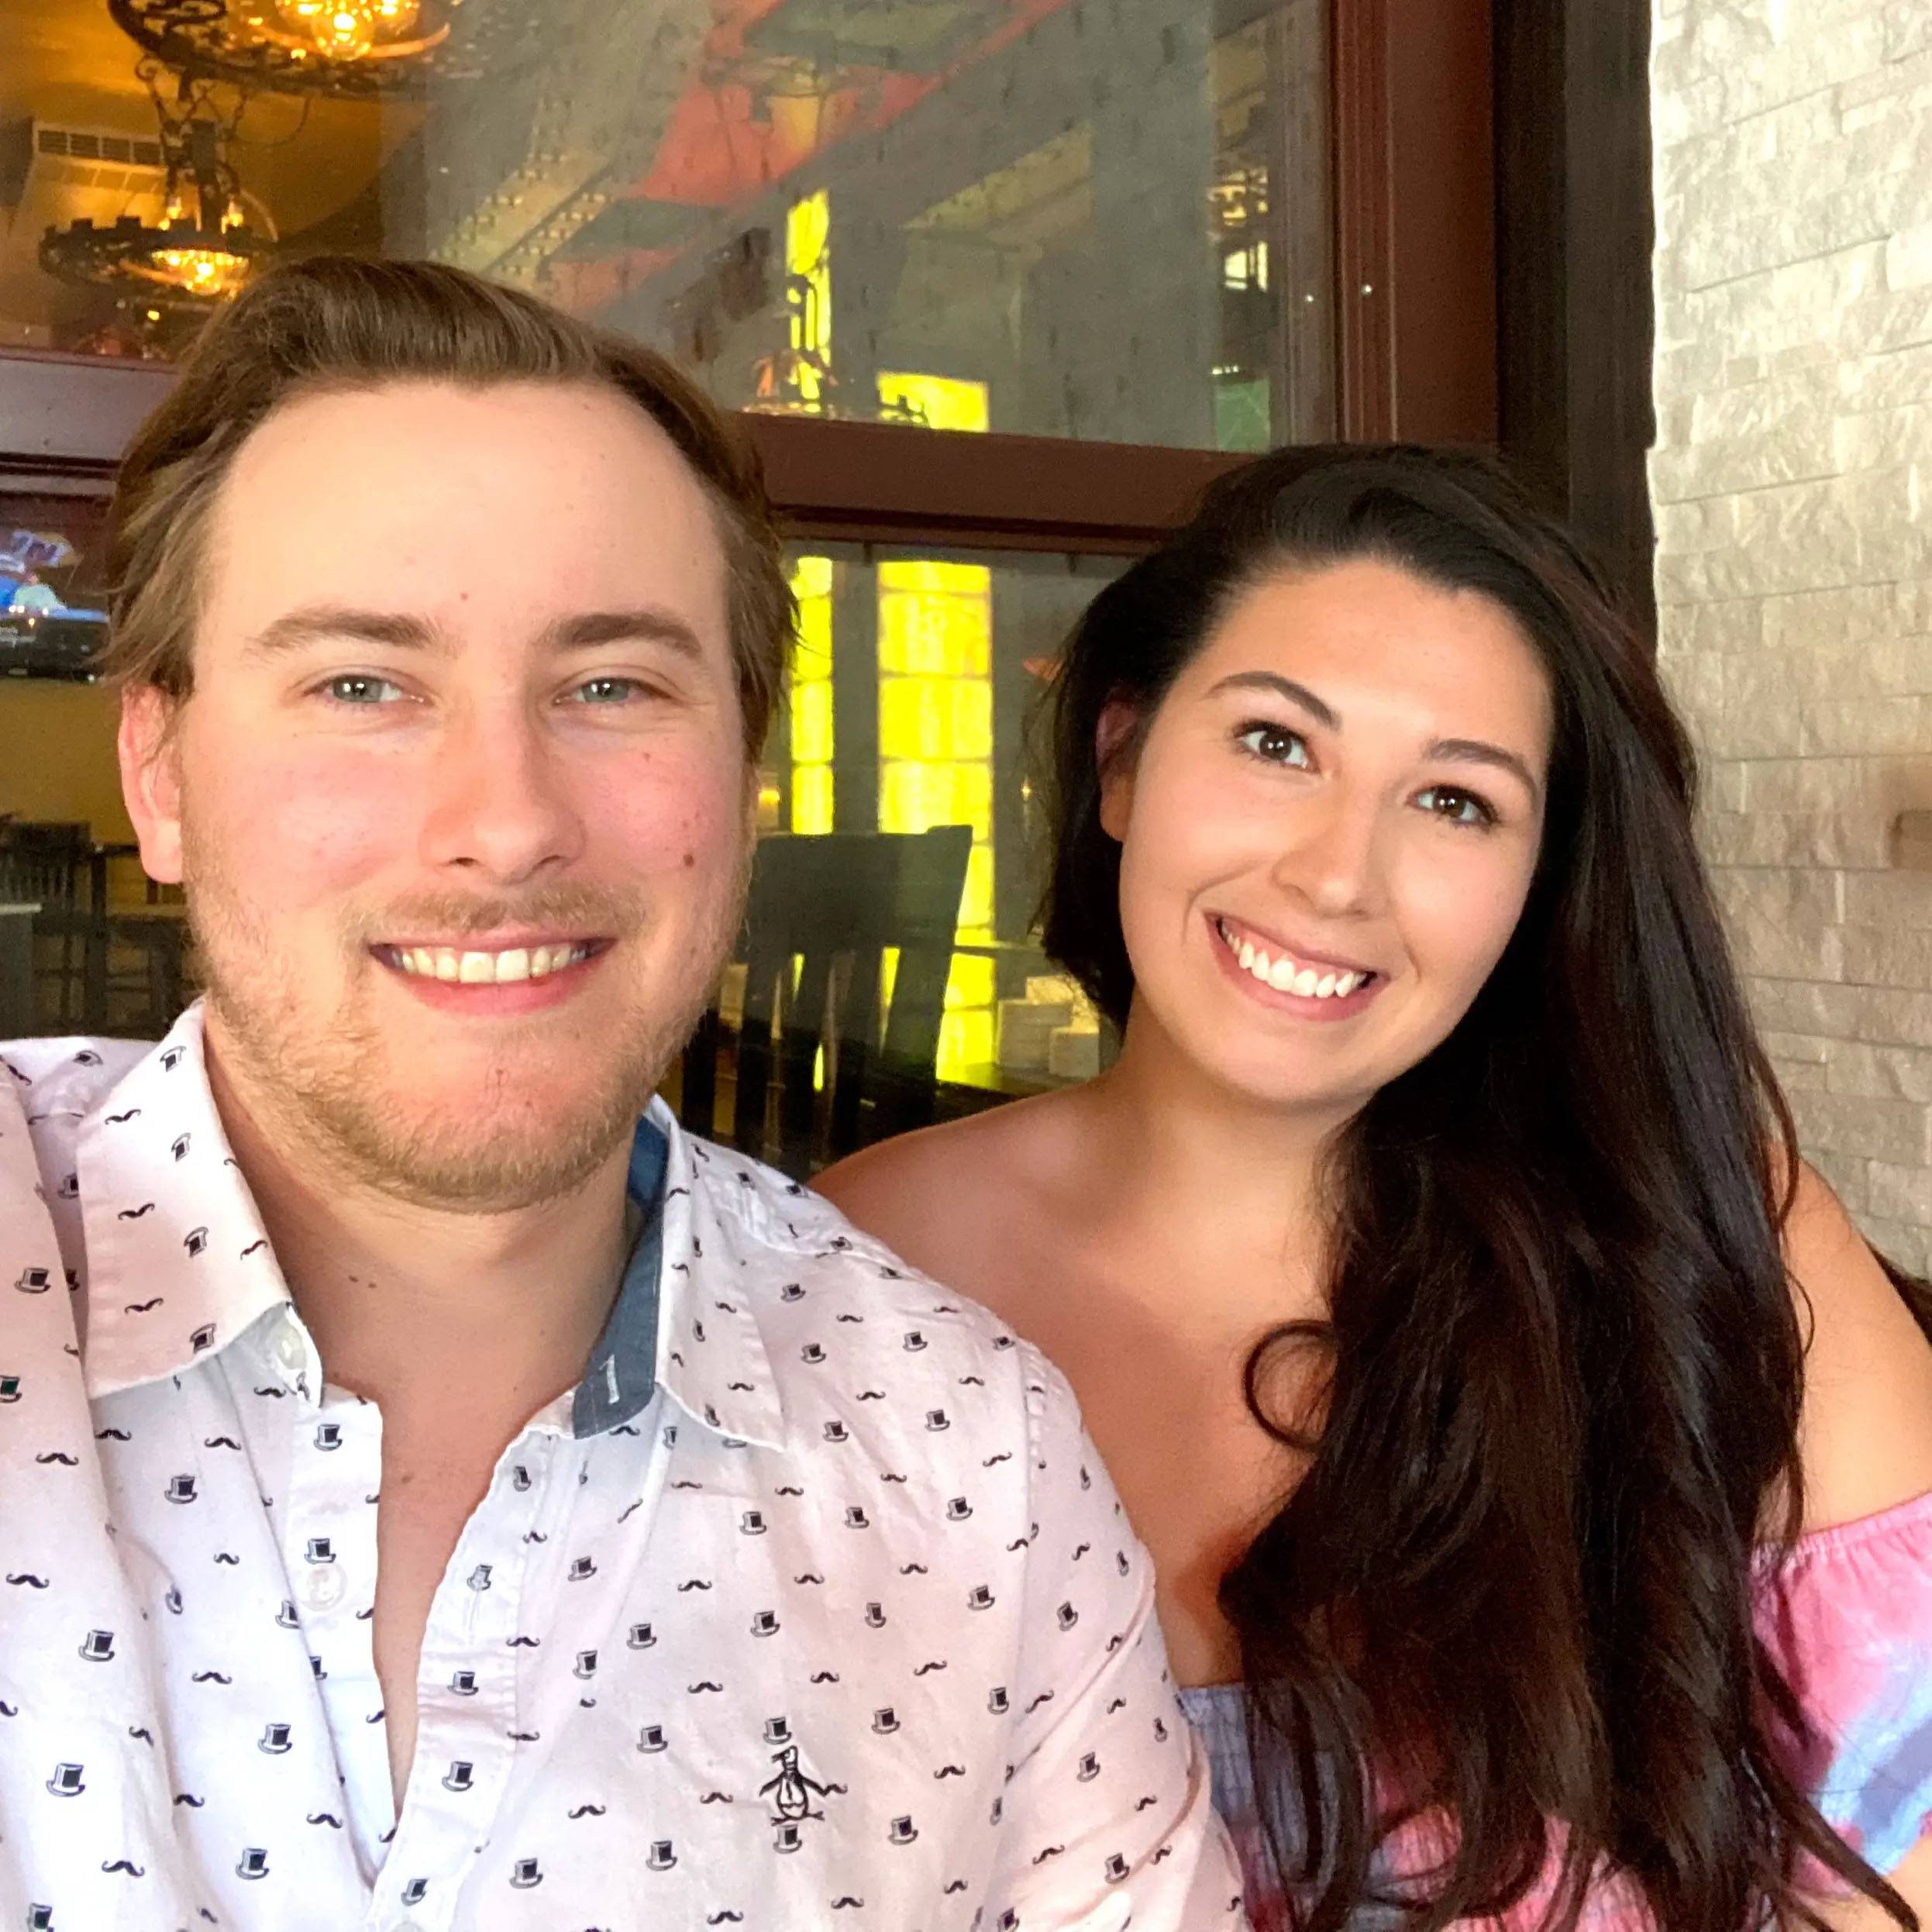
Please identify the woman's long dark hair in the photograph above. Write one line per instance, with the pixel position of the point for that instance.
(1561, 1369)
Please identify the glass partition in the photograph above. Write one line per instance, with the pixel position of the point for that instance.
(1104, 219)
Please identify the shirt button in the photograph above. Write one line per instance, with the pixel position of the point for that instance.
(324, 1590)
(289, 1353)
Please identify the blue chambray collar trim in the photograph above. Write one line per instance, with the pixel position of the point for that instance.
(622, 1375)
(710, 1354)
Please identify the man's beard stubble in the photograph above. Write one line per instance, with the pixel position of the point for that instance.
(316, 1088)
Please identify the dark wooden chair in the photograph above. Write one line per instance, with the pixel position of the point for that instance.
(822, 913)
(93, 971)
(46, 864)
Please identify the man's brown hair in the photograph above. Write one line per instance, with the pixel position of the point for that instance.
(337, 322)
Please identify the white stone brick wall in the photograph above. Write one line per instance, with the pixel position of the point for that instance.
(1793, 485)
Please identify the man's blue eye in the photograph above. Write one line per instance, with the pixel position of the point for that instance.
(607, 690)
(355, 689)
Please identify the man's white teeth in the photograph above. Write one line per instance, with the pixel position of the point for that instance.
(487, 969)
(1285, 975)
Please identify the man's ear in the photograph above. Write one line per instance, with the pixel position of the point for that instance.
(1115, 752)
(148, 749)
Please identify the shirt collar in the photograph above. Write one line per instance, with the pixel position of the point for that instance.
(178, 1263)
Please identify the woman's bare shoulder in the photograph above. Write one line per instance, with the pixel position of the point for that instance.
(929, 1195)
(1866, 1433)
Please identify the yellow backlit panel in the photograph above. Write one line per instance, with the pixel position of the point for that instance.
(914, 797)
(939, 402)
(965, 1039)
(811, 722)
(929, 717)
(976, 902)
(808, 267)
(970, 982)
(811, 799)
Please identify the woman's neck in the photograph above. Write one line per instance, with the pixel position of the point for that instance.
(1197, 1170)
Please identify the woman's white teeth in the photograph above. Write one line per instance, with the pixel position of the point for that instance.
(487, 969)
(1284, 975)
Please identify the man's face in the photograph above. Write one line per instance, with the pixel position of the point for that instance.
(459, 799)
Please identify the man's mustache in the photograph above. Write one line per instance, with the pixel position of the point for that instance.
(572, 910)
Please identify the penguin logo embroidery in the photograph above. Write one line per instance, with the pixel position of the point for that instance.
(792, 1791)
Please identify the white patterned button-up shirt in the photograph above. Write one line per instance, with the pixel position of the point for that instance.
(811, 1606)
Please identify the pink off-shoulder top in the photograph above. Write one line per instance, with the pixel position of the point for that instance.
(1848, 1616)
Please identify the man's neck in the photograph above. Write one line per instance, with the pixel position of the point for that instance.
(413, 1306)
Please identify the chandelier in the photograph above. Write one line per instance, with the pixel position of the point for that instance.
(201, 247)
(361, 49)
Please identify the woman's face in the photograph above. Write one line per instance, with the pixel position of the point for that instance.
(1329, 829)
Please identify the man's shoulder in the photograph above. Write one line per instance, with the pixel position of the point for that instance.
(53, 1081)
(810, 1273)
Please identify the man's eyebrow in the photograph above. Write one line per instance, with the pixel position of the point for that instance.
(583, 630)
(644, 625)
(1476, 751)
(294, 628)
(1324, 714)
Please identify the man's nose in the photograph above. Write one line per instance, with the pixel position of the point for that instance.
(500, 807)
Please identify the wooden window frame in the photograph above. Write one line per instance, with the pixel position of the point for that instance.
(1413, 229)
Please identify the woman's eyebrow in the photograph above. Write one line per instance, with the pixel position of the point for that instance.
(1476, 751)
(1324, 714)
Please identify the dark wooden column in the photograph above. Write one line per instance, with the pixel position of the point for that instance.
(1574, 227)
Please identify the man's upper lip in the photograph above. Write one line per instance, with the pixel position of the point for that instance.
(509, 940)
(1276, 946)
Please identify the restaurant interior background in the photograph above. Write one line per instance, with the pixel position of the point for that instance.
(998, 284)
